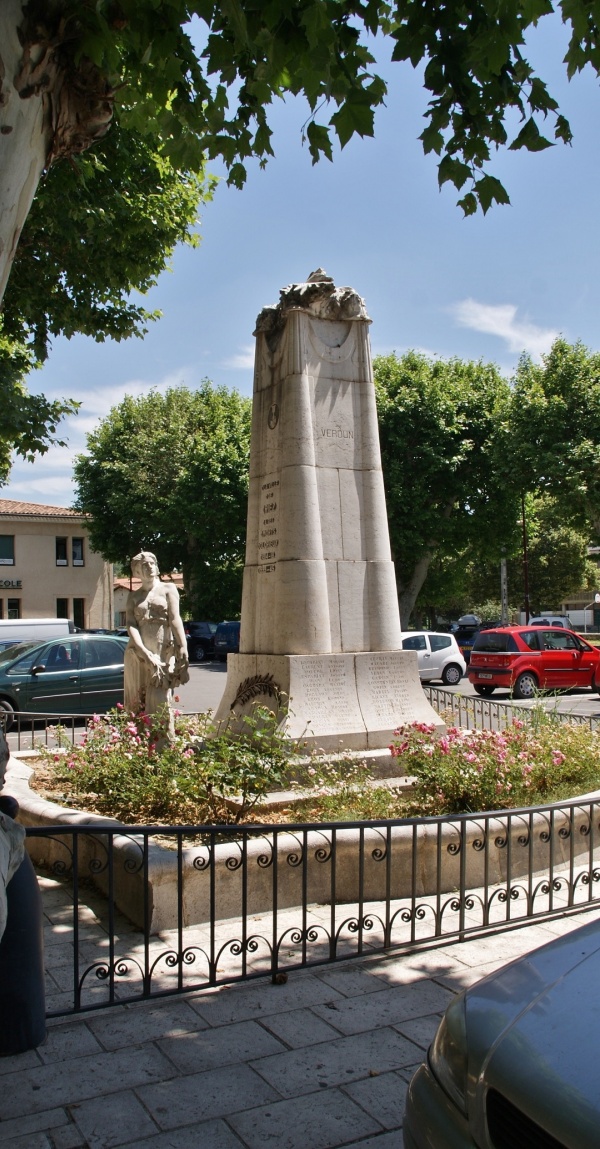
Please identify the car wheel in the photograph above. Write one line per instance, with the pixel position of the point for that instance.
(7, 714)
(526, 685)
(198, 653)
(451, 675)
(484, 691)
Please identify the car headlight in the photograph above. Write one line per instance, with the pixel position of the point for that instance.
(448, 1053)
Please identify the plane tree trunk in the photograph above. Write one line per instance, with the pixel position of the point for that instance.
(51, 107)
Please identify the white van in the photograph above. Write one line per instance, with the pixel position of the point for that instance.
(551, 620)
(33, 629)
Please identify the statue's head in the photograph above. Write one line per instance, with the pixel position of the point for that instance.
(144, 565)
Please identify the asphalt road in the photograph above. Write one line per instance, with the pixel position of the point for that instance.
(566, 702)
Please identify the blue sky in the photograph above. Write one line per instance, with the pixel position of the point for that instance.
(485, 287)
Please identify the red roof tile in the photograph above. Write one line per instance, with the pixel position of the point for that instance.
(15, 507)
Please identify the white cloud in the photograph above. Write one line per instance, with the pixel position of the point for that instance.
(243, 361)
(501, 320)
(49, 479)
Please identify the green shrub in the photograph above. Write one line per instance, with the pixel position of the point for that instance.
(123, 769)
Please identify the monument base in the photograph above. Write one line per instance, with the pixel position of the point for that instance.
(335, 701)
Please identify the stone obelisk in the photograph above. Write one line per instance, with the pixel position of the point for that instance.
(320, 619)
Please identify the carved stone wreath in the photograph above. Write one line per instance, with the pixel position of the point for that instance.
(254, 686)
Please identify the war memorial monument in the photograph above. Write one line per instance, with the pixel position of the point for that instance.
(320, 619)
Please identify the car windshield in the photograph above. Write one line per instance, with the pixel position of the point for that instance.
(16, 651)
(494, 642)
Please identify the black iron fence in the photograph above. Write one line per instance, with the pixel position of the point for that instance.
(27, 730)
(145, 911)
(489, 714)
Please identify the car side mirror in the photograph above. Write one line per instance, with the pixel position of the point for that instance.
(38, 668)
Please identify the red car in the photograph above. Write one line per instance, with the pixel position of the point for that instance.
(526, 659)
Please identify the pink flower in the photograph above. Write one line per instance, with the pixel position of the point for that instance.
(558, 758)
(120, 706)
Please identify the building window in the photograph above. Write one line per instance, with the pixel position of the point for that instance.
(14, 608)
(62, 608)
(61, 553)
(7, 550)
(79, 612)
(77, 552)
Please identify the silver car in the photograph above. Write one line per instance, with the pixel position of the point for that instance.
(438, 654)
(514, 1063)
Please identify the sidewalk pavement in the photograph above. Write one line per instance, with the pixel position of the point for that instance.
(319, 1062)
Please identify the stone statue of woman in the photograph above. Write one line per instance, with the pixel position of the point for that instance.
(156, 658)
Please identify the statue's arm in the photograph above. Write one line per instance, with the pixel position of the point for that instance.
(177, 630)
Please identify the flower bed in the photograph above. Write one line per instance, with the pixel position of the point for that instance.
(527, 764)
(120, 770)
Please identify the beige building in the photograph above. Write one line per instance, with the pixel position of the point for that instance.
(48, 569)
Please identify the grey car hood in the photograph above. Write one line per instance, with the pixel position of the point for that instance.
(534, 1035)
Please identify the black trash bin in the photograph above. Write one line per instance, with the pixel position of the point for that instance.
(22, 993)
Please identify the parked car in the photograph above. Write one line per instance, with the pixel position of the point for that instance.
(514, 1061)
(552, 620)
(81, 674)
(438, 655)
(200, 640)
(526, 659)
(227, 640)
(6, 642)
(465, 637)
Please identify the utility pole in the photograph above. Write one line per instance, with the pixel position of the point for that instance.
(503, 591)
(525, 560)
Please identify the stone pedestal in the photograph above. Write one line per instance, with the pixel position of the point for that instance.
(319, 605)
(336, 701)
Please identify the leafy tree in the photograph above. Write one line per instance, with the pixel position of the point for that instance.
(123, 208)
(555, 441)
(558, 565)
(443, 429)
(28, 423)
(72, 66)
(169, 473)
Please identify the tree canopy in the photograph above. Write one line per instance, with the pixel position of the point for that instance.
(182, 82)
(123, 208)
(461, 446)
(443, 427)
(213, 99)
(170, 473)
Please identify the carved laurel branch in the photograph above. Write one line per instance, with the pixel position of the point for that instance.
(254, 686)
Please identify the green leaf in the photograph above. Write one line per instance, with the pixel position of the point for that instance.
(529, 137)
(433, 141)
(318, 141)
(453, 171)
(562, 130)
(489, 190)
(356, 116)
(468, 203)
